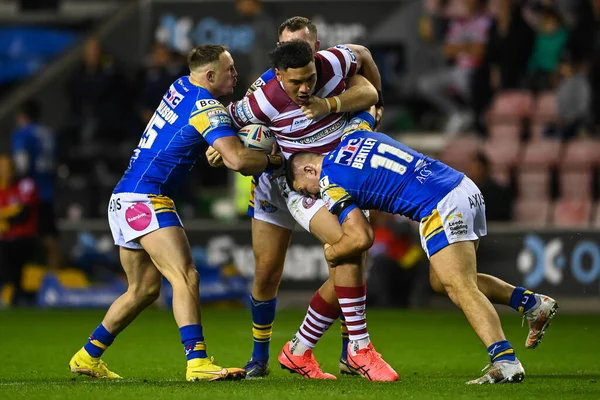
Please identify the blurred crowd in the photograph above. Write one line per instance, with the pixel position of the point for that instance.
(498, 45)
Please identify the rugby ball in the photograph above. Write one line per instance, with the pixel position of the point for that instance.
(257, 137)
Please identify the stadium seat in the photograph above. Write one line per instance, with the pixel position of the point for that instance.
(541, 153)
(572, 212)
(458, 152)
(502, 154)
(509, 131)
(510, 106)
(532, 212)
(581, 153)
(575, 184)
(545, 107)
(533, 184)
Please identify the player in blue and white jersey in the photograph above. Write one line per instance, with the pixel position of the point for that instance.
(143, 219)
(369, 170)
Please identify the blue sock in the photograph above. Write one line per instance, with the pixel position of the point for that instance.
(522, 299)
(99, 341)
(193, 341)
(501, 351)
(345, 339)
(263, 316)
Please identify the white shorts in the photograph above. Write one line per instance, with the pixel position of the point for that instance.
(458, 217)
(272, 201)
(133, 215)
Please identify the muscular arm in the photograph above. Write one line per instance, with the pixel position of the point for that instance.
(360, 95)
(366, 64)
(368, 69)
(356, 239)
(242, 159)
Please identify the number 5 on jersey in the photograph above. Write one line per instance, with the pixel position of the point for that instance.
(150, 133)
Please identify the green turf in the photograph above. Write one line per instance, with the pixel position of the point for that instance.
(435, 353)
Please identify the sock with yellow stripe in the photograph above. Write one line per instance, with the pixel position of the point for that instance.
(501, 351)
(345, 339)
(522, 299)
(263, 316)
(193, 341)
(99, 341)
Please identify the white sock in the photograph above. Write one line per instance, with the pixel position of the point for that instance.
(297, 347)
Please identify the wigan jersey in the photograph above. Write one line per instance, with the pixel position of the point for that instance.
(270, 105)
(379, 173)
(170, 144)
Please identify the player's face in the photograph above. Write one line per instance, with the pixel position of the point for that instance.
(298, 83)
(225, 77)
(300, 34)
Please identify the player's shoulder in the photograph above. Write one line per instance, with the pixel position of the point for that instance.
(336, 53)
(261, 81)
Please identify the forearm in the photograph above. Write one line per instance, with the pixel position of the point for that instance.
(252, 162)
(355, 98)
(346, 247)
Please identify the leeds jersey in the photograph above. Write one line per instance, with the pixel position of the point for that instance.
(170, 144)
(377, 172)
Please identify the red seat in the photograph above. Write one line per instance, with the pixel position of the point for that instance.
(576, 183)
(510, 131)
(533, 184)
(572, 212)
(458, 152)
(502, 154)
(541, 153)
(532, 212)
(545, 107)
(581, 153)
(510, 106)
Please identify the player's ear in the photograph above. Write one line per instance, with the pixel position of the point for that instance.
(210, 76)
(278, 43)
(278, 74)
(317, 45)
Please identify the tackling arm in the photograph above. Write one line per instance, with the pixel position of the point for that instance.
(242, 159)
(357, 238)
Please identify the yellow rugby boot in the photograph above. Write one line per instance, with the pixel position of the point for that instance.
(84, 364)
(204, 369)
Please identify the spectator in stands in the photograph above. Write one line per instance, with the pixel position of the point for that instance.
(550, 41)
(465, 47)
(510, 46)
(498, 199)
(253, 13)
(34, 154)
(99, 98)
(573, 98)
(154, 79)
(18, 227)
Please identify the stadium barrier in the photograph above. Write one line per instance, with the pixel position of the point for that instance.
(555, 261)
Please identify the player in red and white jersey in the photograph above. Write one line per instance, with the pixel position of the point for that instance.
(290, 105)
(272, 106)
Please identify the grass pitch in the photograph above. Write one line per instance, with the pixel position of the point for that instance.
(434, 352)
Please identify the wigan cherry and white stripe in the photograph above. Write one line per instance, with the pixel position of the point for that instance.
(270, 105)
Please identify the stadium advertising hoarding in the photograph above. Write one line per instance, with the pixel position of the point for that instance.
(554, 262)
